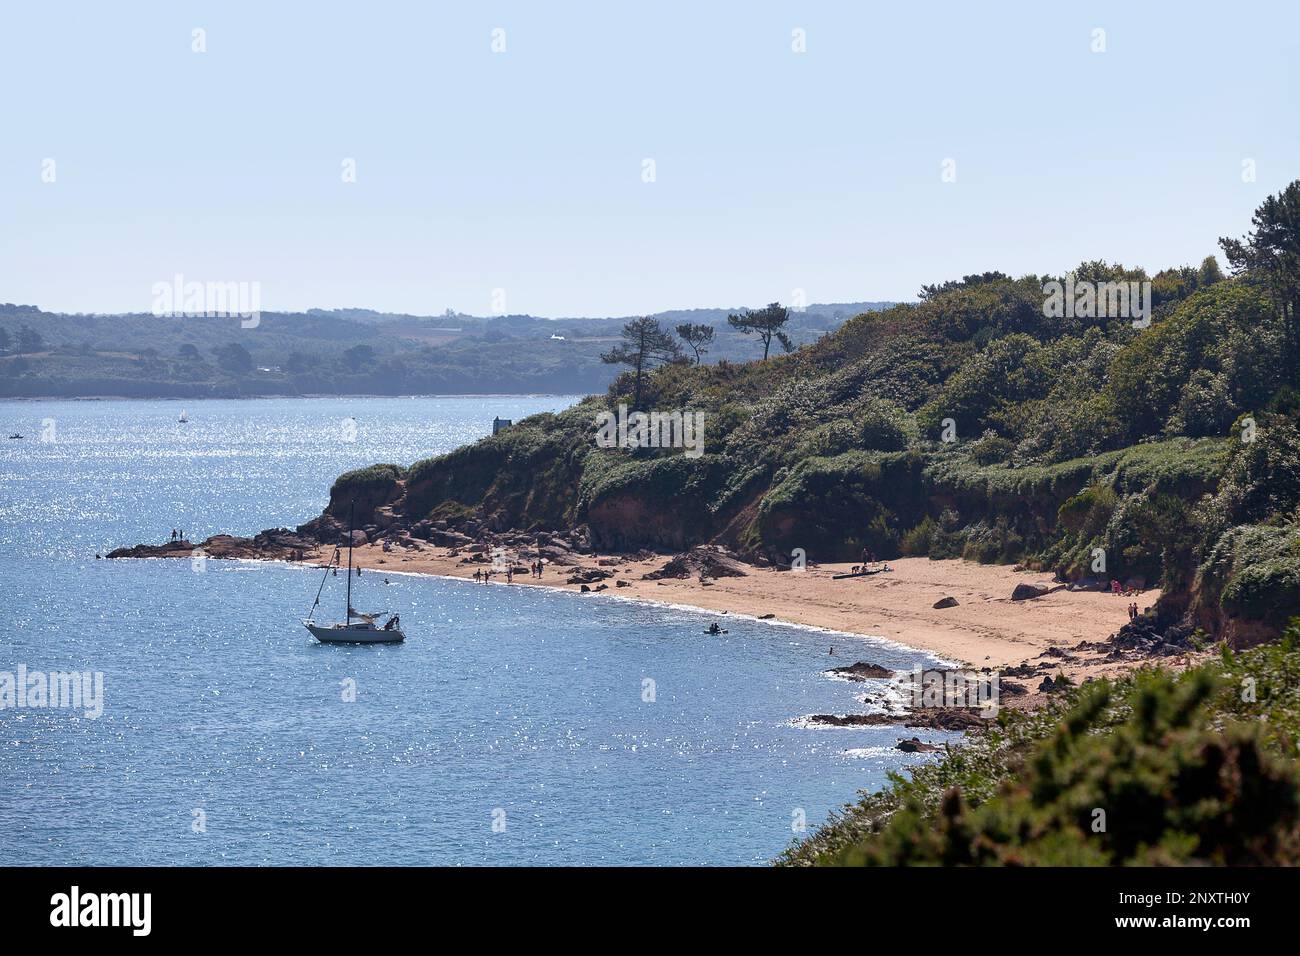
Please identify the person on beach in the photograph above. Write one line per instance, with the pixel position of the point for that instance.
(1114, 587)
(510, 575)
(173, 534)
(476, 575)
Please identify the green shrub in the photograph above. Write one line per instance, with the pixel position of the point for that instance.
(916, 543)
(1178, 778)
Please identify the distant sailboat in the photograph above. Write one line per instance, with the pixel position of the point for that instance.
(184, 417)
(362, 631)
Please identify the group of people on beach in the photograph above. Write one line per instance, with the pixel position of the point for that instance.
(1133, 612)
(1119, 590)
(178, 535)
(484, 575)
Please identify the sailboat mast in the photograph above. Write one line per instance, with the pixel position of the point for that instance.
(348, 610)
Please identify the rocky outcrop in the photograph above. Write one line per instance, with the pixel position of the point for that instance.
(916, 746)
(945, 602)
(172, 549)
(935, 718)
(705, 561)
(1146, 637)
(279, 544)
(861, 671)
(588, 575)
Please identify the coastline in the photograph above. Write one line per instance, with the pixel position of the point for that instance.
(955, 610)
(1063, 632)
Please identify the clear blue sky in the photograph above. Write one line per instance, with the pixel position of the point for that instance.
(523, 170)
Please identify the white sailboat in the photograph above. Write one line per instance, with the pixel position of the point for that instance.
(184, 417)
(363, 629)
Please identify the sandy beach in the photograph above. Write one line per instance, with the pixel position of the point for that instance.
(985, 629)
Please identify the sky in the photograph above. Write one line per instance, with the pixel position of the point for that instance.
(516, 179)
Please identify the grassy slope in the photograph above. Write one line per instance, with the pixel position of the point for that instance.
(1071, 436)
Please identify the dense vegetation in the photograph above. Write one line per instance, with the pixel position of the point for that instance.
(342, 352)
(973, 423)
(1154, 769)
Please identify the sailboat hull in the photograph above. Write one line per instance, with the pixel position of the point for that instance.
(354, 633)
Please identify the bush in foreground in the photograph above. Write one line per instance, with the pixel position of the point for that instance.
(1155, 769)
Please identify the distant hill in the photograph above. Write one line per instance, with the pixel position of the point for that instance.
(340, 351)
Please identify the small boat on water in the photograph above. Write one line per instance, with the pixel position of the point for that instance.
(356, 627)
(184, 417)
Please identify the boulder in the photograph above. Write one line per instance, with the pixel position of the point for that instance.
(946, 602)
(862, 671)
(1025, 592)
(587, 575)
(916, 746)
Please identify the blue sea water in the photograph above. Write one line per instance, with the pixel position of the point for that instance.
(515, 726)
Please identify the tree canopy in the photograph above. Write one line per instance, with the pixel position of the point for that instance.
(767, 322)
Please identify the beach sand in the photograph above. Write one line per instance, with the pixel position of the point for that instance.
(986, 629)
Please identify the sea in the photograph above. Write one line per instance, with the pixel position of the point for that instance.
(516, 726)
